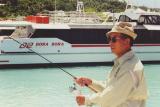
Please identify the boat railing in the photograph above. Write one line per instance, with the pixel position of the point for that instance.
(74, 17)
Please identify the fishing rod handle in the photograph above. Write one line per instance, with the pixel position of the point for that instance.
(91, 88)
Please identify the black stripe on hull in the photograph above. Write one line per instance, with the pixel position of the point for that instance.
(52, 65)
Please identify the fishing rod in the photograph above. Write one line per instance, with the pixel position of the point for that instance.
(74, 77)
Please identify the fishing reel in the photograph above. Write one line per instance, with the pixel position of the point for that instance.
(74, 89)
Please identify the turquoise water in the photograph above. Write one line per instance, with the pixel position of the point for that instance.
(49, 87)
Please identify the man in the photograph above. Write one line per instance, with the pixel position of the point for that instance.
(125, 85)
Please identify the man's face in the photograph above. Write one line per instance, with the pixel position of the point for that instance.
(117, 44)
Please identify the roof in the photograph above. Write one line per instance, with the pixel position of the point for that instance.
(13, 23)
(50, 26)
(152, 27)
(135, 16)
(34, 25)
(7, 28)
(137, 10)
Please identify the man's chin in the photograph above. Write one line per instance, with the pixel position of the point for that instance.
(112, 50)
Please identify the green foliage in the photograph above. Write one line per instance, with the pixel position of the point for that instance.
(89, 9)
(32, 7)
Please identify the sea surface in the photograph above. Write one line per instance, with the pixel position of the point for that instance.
(49, 87)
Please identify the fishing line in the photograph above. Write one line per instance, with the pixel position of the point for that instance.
(45, 58)
(74, 77)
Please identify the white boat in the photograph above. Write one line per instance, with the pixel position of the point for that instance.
(53, 42)
(33, 45)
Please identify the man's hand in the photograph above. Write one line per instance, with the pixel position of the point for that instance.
(82, 81)
(80, 100)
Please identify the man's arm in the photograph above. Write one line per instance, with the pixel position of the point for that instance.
(98, 86)
(114, 94)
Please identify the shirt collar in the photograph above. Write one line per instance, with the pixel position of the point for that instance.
(124, 57)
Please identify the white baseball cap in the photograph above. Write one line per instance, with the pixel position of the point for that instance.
(124, 28)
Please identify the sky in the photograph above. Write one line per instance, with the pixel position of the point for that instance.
(148, 3)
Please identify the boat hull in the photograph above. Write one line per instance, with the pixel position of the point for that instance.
(53, 52)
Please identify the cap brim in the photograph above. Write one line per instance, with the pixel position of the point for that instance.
(111, 32)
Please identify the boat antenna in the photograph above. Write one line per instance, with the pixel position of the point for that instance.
(57, 65)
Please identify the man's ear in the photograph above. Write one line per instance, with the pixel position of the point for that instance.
(127, 41)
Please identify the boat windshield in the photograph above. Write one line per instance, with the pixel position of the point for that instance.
(149, 19)
(22, 32)
(141, 19)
